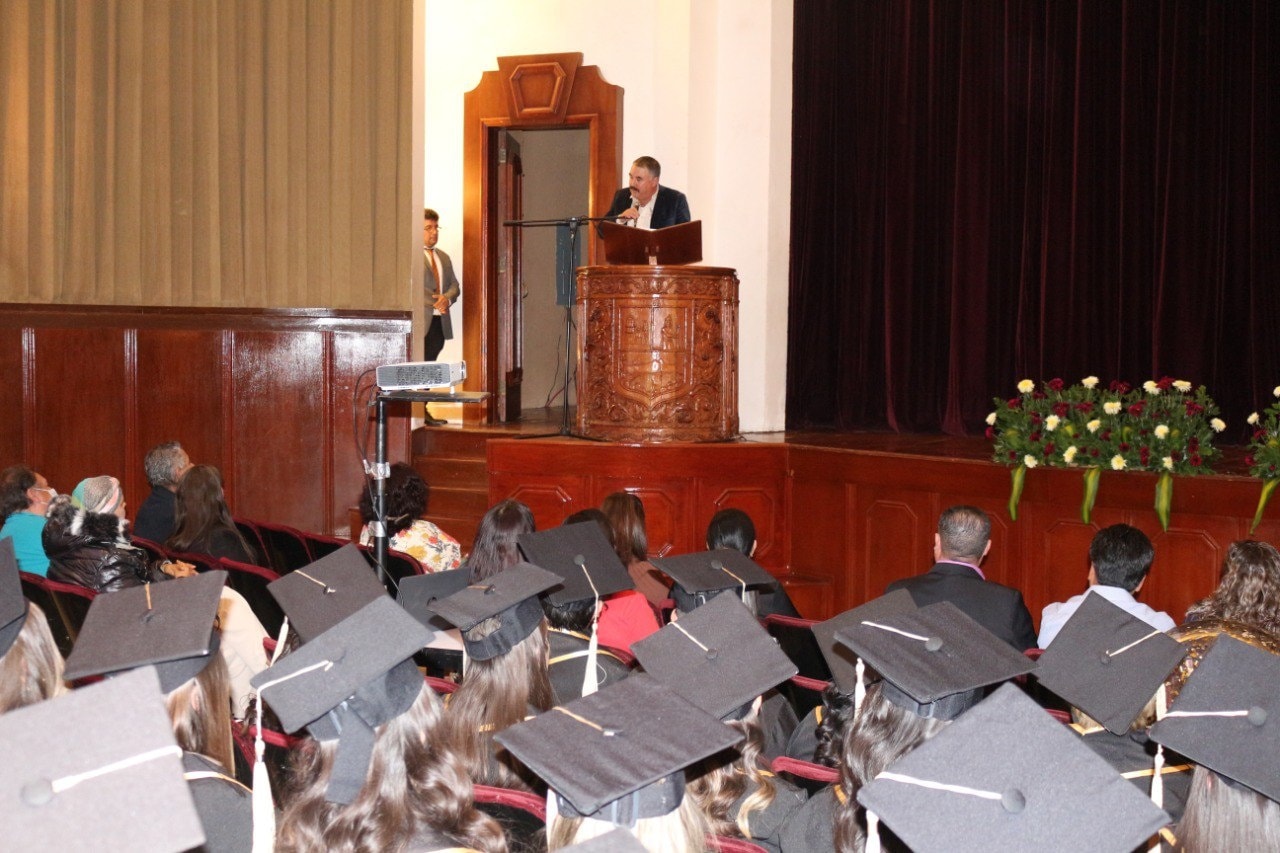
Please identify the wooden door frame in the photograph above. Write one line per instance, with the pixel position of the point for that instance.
(531, 92)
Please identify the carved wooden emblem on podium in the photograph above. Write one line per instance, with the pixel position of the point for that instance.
(659, 356)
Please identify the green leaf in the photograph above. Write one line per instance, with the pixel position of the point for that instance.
(1164, 498)
(1268, 486)
(1015, 492)
(1091, 478)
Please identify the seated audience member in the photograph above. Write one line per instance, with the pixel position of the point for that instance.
(30, 664)
(736, 790)
(733, 528)
(181, 640)
(86, 537)
(1234, 801)
(1245, 606)
(202, 521)
(435, 550)
(609, 761)
(164, 465)
(580, 554)
(376, 774)
(919, 693)
(1109, 664)
(819, 737)
(495, 548)
(625, 615)
(1119, 559)
(959, 547)
(24, 501)
(504, 637)
(626, 519)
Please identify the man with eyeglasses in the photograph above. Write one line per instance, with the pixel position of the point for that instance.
(24, 499)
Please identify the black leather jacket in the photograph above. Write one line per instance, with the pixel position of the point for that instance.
(92, 549)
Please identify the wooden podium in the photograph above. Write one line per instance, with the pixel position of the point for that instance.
(658, 353)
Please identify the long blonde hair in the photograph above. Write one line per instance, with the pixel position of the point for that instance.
(31, 671)
(717, 784)
(682, 831)
(200, 710)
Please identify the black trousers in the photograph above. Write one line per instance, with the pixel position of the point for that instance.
(433, 342)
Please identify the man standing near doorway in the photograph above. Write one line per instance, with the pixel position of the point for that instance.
(441, 289)
(645, 204)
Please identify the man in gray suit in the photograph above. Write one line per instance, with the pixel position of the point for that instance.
(441, 289)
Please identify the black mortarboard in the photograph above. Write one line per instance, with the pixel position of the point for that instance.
(619, 755)
(13, 607)
(1227, 716)
(70, 780)
(1108, 663)
(703, 574)
(935, 660)
(511, 595)
(718, 657)
(346, 682)
(322, 594)
(573, 551)
(840, 659)
(168, 624)
(418, 592)
(1024, 781)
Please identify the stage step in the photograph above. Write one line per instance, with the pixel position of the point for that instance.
(452, 460)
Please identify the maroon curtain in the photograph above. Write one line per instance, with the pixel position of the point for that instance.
(986, 191)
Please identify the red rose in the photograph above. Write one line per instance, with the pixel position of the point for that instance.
(1012, 455)
(1195, 460)
(1039, 395)
(1049, 448)
(1035, 436)
(1015, 403)
(1165, 383)
(1035, 418)
(1136, 408)
(1084, 407)
(1258, 433)
(1193, 443)
(1093, 452)
(1176, 456)
(1119, 387)
(1124, 447)
(1144, 455)
(1055, 384)
(1249, 460)
(1194, 409)
(1105, 435)
(991, 432)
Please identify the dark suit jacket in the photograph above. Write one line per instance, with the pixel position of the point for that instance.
(452, 288)
(998, 608)
(669, 208)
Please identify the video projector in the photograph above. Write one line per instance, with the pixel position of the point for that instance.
(416, 375)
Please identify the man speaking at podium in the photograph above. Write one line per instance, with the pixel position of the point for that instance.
(644, 204)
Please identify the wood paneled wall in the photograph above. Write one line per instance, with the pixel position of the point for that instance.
(858, 520)
(681, 486)
(267, 396)
(237, 153)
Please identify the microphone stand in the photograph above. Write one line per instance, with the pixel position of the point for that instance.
(574, 223)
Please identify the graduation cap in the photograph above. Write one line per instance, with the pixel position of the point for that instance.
(511, 596)
(1227, 716)
(1108, 663)
(935, 660)
(418, 592)
(322, 594)
(581, 555)
(718, 657)
(70, 782)
(619, 755)
(168, 624)
(13, 606)
(701, 575)
(1008, 777)
(842, 662)
(345, 683)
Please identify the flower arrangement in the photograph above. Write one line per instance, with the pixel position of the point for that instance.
(1263, 457)
(1164, 426)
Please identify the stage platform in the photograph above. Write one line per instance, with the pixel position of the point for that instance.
(840, 515)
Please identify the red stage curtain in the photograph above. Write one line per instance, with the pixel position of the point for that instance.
(985, 191)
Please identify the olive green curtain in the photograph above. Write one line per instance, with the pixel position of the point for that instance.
(230, 153)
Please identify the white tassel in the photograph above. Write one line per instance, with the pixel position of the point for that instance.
(591, 676)
(860, 689)
(873, 833)
(264, 809)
